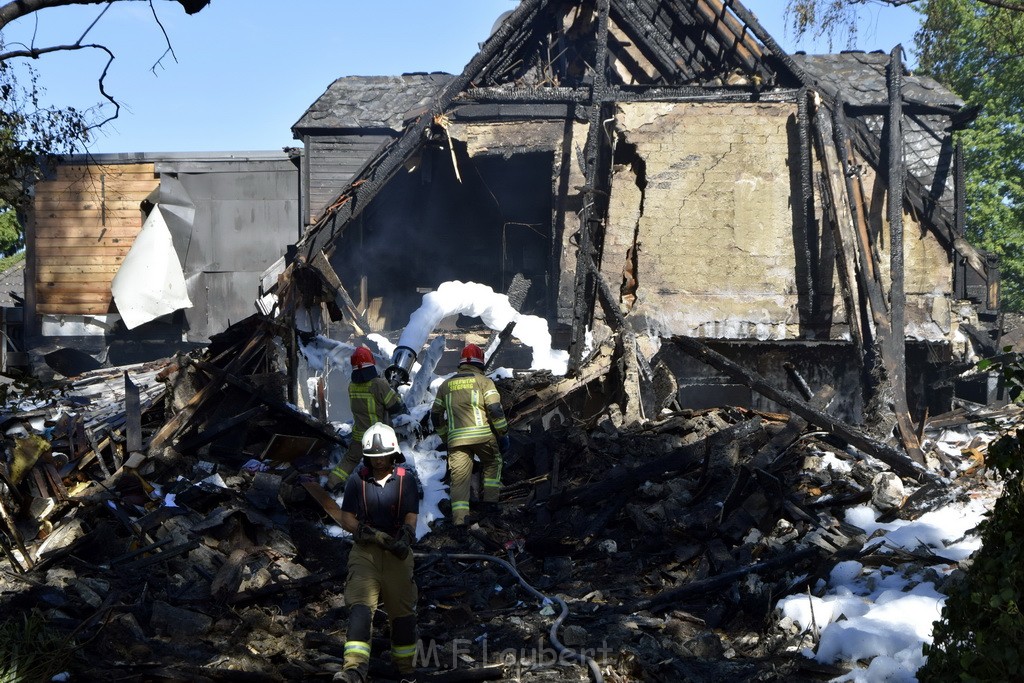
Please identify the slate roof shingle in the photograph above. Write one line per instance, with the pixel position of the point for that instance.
(370, 102)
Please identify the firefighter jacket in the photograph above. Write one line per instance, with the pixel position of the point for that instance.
(467, 409)
(370, 402)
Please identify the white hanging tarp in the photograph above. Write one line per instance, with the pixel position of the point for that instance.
(150, 282)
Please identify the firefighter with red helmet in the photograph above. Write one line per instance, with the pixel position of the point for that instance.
(380, 510)
(372, 400)
(468, 416)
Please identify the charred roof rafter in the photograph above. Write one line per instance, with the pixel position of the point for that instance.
(649, 40)
(520, 57)
(677, 29)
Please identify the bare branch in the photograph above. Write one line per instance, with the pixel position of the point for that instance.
(15, 9)
(37, 52)
(167, 39)
(103, 90)
(94, 22)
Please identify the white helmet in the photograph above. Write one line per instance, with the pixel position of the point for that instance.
(380, 441)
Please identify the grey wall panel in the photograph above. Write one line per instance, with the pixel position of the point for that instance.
(333, 160)
(218, 301)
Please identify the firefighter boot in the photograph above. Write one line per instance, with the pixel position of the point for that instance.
(353, 675)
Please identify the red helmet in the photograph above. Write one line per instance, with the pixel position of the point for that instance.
(471, 353)
(362, 358)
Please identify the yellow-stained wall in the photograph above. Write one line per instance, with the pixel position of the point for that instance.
(85, 221)
(705, 203)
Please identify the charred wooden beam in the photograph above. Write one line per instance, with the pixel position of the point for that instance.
(899, 462)
(897, 172)
(541, 97)
(133, 416)
(807, 247)
(835, 200)
(669, 598)
(341, 296)
(593, 196)
(897, 354)
(162, 556)
(891, 382)
(646, 37)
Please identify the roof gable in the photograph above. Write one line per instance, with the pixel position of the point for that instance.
(649, 42)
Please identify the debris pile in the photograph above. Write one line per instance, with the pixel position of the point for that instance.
(177, 531)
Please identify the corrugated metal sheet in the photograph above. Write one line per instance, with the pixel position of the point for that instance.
(86, 218)
(228, 228)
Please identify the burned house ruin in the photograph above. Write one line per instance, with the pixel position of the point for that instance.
(663, 170)
(701, 221)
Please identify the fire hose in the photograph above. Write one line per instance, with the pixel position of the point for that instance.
(562, 650)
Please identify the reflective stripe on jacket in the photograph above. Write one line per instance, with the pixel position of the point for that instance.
(467, 409)
(369, 401)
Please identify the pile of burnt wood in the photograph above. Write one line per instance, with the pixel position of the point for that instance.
(181, 535)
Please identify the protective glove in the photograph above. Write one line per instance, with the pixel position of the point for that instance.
(504, 444)
(400, 548)
(367, 534)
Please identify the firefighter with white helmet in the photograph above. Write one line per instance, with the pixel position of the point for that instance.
(380, 509)
(372, 400)
(468, 416)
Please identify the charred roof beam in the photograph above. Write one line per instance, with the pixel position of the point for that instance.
(507, 62)
(649, 40)
(747, 52)
(766, 39)
(671, 93)
(675, 30)
(595, 198)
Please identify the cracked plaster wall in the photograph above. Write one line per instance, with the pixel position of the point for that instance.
(714, 239)
(708, 209)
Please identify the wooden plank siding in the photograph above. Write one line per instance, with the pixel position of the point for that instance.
(333, 160)
(86, 219)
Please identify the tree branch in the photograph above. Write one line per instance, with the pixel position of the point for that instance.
(167, 39)
(1005, 4)
(15, 9)
(37, 52)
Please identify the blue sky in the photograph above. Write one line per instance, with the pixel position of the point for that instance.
(246, 70)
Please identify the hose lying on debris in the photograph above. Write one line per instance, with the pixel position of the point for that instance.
(563, 651)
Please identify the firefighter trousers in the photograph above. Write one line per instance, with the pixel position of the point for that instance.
(376, 576)
(460, 465)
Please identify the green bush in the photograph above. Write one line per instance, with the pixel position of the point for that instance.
(30, 651)
(980, 633)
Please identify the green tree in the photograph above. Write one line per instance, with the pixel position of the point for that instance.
(30, 133)
(11, 235)
(977, 49)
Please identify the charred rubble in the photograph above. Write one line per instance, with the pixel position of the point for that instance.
(166, 521)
